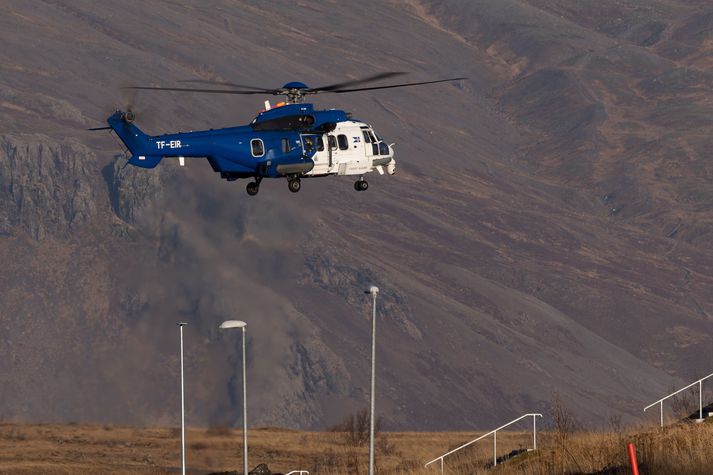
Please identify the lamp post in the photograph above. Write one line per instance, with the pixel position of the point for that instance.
(238, 324)
(183, 408)
(373, 290)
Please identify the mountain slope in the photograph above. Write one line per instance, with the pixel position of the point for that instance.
(546, 232)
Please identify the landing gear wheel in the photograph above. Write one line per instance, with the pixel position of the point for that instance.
(361, 185)
(252, 188)
(294, 185)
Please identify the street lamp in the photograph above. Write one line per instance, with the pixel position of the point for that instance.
(183, 410)
(238, 324)
(373, 290)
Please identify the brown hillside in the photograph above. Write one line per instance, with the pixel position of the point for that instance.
(549, 228)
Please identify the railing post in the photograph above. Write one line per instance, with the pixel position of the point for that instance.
(495, 441)
(495, 448)
(698, 382)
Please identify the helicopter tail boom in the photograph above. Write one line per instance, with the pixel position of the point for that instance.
(138, 143)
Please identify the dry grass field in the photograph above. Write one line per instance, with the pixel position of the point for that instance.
(77, 449)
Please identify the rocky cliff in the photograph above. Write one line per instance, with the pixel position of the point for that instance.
(46, 187)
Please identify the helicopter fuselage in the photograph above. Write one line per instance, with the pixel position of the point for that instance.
(292, 141)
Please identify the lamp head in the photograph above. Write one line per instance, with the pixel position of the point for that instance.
(373, 290)
(233, 324)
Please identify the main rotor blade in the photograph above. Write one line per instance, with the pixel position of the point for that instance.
(228, 84)
(393, 85)
(214, 91)
(340, 85)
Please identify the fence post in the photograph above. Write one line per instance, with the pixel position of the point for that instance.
(534, 432)
(632, 459)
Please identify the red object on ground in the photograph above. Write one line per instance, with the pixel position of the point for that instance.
(632, 459)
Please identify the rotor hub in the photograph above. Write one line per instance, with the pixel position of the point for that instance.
(294, 92)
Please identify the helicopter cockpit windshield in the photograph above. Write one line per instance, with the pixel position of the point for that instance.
(378, 146)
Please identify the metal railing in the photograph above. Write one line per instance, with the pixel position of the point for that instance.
(495, 440)
(700, 398)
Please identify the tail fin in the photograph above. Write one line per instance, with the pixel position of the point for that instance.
(139, 144)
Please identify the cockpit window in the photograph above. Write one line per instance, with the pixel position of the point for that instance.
(343, 142)
(257, 147)
(383, 149)
(320, 144)
(367, 138)
(373, 139)
(332, 142)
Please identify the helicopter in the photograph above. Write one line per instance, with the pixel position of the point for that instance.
(291, 139)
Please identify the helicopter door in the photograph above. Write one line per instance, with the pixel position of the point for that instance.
(332, 148)
(346, 159)
(371, 145)
(313, 146)
(368, 142)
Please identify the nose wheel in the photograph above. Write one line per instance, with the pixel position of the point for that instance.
(361, 185)
(294, 185)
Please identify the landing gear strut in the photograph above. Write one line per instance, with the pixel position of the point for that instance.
(294, 184)
(361, 185)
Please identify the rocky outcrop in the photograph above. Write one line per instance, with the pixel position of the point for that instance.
(327, 271)
(131, 189)
(45, 186)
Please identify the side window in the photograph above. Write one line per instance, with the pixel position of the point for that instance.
(257, 147)
(320, 144)
(308, 144)
(286, 145)
(332, 142)
(343, 142)
(367, 139)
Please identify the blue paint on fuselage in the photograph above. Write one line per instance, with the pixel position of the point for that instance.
(229, 150)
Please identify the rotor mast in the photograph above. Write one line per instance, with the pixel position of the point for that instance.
(294, 92)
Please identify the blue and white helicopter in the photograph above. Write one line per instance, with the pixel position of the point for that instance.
(291, 140)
